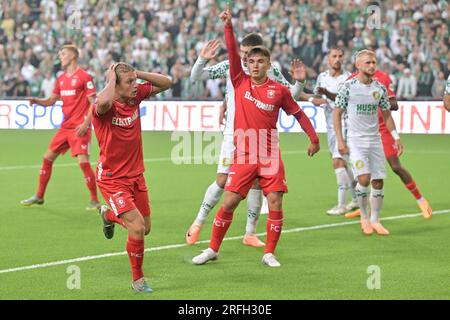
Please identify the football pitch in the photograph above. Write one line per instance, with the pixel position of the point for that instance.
(322, 257)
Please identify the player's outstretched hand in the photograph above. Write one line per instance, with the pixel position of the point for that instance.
(209, 51)
(225, 16)
(298, 70)
(321, 90)
(313, 149)
(31, 101)
(82, 129)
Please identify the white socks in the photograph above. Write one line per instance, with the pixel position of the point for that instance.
(254, 203)
(344, 185)
(212, 196)
(361, 195)
(352, 181)
(376, 200)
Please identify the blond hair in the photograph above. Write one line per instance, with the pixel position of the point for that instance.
(121, 68)
(73, 48)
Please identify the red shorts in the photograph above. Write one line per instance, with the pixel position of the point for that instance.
(390, 149)
(272, 178)
(66, 139)
(124, 195)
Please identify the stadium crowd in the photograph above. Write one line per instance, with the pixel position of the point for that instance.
(411, 39)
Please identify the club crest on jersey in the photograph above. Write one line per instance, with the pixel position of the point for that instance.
(74, 82)
(270, 94)
(376, 95)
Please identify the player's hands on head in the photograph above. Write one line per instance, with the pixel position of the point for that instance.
(313, 149)
(209, 51)
(111, 73)
(298, 70)
(225, 16)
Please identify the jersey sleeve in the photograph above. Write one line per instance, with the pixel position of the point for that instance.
(236, 72)
(342, 96)
(144, 91)
(218, 71)
(289, 105)
(89, 86)
(384, 100)
(318, 83)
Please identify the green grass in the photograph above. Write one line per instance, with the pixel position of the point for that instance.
(329, 263)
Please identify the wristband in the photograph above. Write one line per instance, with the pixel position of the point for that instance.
(311, 99)
(395, 135)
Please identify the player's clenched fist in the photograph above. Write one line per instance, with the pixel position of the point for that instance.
(225, 16)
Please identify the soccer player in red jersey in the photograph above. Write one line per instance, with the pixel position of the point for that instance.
(76, 89)
(257, 155)
(116, 120)
(393, 148)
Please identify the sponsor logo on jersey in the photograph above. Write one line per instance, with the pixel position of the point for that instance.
(259, 104)
(68, 93)
(125, 122)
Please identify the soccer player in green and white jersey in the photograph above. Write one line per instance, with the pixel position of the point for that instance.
(447, 95)
(215, 190)
(360, 97)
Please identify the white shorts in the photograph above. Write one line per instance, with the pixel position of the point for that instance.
(367, 157)
(226, 154)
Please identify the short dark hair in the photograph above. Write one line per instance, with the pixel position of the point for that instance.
(335, 48)
(259, 50)
(252, 40)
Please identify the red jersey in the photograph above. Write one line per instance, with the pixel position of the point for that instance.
(257, 106)
(119, 137)
(74, 91)
(386, 81)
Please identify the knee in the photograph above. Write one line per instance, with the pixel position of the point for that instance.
(275, 202)
(377, 184)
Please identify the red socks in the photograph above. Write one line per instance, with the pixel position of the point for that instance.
(220, 227)
(414, 190)
(274, 226)
(89, 176)
(113, 218)
(44, 177)
(135, 249)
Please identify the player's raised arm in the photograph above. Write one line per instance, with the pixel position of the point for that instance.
(199, 72)
(233, 53)
(106, 96)
(160, 82)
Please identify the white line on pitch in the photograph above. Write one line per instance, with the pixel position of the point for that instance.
(175, 246)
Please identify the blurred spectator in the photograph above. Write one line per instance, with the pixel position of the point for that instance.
(425, 82)
(154, 35)
(48, 84)
(407, 86)
(437, 91)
